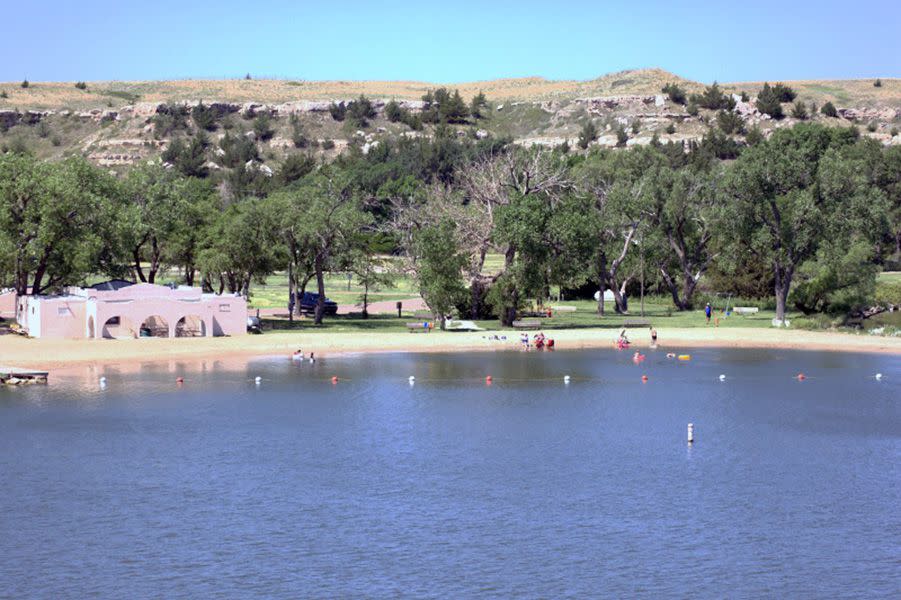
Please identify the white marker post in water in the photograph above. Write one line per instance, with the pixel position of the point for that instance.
(691, 433)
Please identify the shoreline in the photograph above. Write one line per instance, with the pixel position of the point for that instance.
(57, 354)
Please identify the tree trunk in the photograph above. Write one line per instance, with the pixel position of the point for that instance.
(154, 260)
(189, 275)
(292, 291)
(365, 300)
(139, 272)
(508, 315)
(320, 285)
(783, 277)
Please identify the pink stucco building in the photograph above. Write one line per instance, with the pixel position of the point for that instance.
(120, 309)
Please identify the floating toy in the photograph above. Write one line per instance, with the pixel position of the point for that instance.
(685, 357)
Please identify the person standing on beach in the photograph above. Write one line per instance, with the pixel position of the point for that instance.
(653, 337)
(708, 311)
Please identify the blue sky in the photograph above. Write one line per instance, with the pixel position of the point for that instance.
(451, 41)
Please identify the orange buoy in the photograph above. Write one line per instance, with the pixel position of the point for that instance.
(335, 379)
(801, 376)
(644, 378)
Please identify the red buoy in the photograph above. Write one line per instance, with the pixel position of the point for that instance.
(335, 379)
(644, 378)
(488, 380)
(179, 380)
(801, 377)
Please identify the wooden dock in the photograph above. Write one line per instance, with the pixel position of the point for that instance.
(17, 376)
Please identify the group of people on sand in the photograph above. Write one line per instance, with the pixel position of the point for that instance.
(541, 341)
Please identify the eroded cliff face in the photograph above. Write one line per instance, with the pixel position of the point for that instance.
(124, 135)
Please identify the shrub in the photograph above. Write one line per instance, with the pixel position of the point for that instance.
(442, 106)
(692, 109)
(877, 83)
(338, 111)
(237, 150)
(295, 167)
(636, 126)
(43, 129)
(359, 111)
(894, 131)
(477, 104)
(621, 137)
(262, 127)
(784, 93)
(799, 111)
(247, 77)
(754, 136)
(888, 293)
(393, 112)
(872, 126)
(588, 134)
(204, 117)
(675, 93)
(56, 141)
(328, 144)
(168, 119)
(769, 103)
(298, 137)
(745, 97)
(564, 147)
(828, 110)
(671, 128)
(4, 95)
(813, 109)
(713, 98)
(81, 85)
(25, 83)
(730, 122)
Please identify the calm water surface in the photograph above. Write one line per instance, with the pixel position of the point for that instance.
(450, 488)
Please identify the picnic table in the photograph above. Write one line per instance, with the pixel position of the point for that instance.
(529, 324)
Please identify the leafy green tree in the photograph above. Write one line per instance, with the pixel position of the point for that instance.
(393, 111)
(338, 111)
(439, 269)
(372, 272)
(588, 134)
(360, 111)
(781, 207)
(828, 110)
(784, 93)
(55, 222)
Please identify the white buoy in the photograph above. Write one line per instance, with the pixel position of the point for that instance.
(103, 382)
(878, 376)
(566, 379)
(258, 380)
(412, 380)
(722, 377)
(691, 433)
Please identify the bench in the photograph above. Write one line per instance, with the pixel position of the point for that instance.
(563, 308)
(746, 310)
(637, 323)
(526, 324)
(425, 326)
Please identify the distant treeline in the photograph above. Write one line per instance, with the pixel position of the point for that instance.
(807, 217)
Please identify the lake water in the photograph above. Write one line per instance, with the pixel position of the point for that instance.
(452, 488)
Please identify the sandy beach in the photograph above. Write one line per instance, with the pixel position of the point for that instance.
(50, 354)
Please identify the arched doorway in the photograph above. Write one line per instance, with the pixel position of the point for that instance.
(190, 326)
(117, 327)
(154, 326)
(91, 328)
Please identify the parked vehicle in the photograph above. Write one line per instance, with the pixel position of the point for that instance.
(309, 300)
(254, 325)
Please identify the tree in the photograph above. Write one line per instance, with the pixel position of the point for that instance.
(262, 127)
(777, 209)
(440, 266)
(828, 109)
(769, 102)
(360, 111)
(372, 271)
(204, 117)
(239, 248)
(338, 111)
(784, 93)
(588, 134)
(56, 221)
(877, 83)
(730, 122)
(713, 99)
(478, 103)
(393, 111)
(676, 94)
(621, 136)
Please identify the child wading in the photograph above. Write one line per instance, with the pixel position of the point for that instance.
(708, 311)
